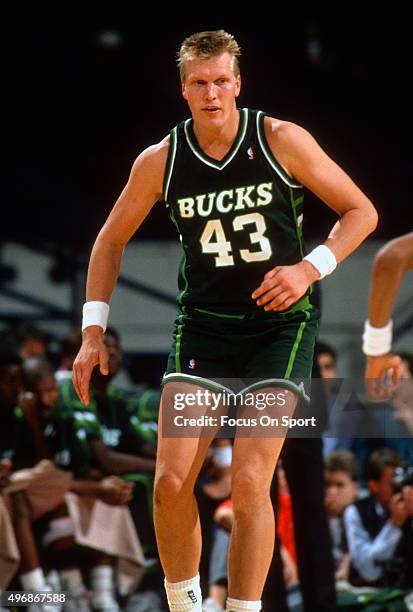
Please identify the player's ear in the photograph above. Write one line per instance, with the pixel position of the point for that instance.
(184, 93)
(237, 85)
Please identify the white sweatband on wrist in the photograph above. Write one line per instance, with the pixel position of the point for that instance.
(323, 260)
(377, 340)
(95, 313)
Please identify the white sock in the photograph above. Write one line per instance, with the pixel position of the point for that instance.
(101, 581)
(71, 579)
(184, 596)
(233, 605)
(34, 580)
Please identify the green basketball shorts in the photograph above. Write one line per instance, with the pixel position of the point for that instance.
(263, 348)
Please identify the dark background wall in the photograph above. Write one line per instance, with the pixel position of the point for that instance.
(89, 85)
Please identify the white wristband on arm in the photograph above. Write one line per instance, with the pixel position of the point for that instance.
(323, 260)
(377, 340)
(95, 313)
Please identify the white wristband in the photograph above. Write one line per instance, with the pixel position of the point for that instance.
(95, 313)
(323, 259)
(377, 340)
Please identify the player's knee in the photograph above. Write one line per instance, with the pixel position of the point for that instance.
(168, 489)
(248, 492)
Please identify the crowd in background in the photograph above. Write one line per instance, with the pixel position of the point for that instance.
(76, 486)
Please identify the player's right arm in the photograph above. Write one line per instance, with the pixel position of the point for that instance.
(391, 263)
(142, 191)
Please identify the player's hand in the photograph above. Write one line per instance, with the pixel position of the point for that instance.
(284, 285)
(92, 352)
(382, 375)
(115, 491)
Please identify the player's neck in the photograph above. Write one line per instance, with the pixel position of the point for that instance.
(216, 141)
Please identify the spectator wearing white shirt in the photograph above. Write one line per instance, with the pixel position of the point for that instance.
(374, 524)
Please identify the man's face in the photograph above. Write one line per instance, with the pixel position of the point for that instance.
(383, 489)
(33, 347)
(115, 354)
(340, 492)
(48, 394)
(327, 365)
(210, 88)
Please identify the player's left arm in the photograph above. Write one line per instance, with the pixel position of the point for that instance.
(304, 160)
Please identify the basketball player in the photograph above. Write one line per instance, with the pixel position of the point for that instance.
(232, 181)
(391, 263)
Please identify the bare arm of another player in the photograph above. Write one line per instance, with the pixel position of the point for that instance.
(142, 190)
(303, 159)
(391, 263)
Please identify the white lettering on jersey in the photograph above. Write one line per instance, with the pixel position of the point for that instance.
(186, 207)
(264, 191)
(243, 197)
(220, 201)
(225, 201)
(205, 212)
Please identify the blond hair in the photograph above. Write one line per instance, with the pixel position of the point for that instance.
(204, 45)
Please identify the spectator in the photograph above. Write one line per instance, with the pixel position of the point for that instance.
(374, 524)
(405, 547)
(31, 341)
(14, 434)
(341, 491)
(327, 362)
(343, 418)
(69, 347)
(39, 382)
(115, 441)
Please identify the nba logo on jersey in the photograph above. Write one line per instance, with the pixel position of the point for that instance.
(250, 152)
(192, 364)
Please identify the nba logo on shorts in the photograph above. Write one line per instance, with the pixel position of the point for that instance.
(192, 364)
(250, 152)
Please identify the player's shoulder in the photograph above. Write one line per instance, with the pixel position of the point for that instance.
(283, 133)
(290, 143)
(156, 154)
(151, 162)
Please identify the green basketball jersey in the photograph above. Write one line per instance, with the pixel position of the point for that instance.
(237, 218)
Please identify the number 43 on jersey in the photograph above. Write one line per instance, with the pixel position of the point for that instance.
(214, 241)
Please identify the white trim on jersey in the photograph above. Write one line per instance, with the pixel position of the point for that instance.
(218, 165)
(282, 175)
(173, 144)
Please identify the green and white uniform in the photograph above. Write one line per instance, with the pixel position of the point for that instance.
(238, 218)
